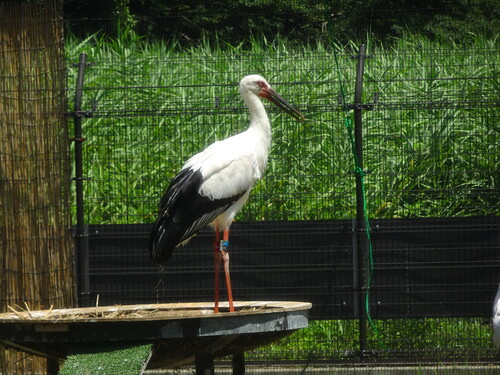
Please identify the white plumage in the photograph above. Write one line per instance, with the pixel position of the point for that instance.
(214, 184)
(496, 319)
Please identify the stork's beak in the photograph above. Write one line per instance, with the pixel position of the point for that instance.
(275, 98)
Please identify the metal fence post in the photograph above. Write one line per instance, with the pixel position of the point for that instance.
(81, 236)
(359, 244)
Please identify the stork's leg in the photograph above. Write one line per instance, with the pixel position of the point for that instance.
(217, 260)
(225, 257)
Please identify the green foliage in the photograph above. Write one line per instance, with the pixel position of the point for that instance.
(436, 19)
(429, 143)
(336, 340)
(444, 141)
(298, 21)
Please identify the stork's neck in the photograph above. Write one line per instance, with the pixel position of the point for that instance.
(258, 116)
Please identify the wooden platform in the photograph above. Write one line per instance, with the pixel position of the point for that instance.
(180, 333)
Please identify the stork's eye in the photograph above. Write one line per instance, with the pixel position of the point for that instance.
(261, 84)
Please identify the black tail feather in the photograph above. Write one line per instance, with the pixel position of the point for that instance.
(161, 245)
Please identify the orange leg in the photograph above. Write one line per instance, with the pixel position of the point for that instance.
(225, 258)
(217, 260)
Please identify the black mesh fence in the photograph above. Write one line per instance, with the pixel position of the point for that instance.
(430, 144)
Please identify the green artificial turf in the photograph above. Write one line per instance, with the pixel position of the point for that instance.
(118, 359)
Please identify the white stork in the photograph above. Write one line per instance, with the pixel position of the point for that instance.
(213, 185)
(496, 319)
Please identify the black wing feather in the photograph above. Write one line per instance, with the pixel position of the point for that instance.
(182, 213)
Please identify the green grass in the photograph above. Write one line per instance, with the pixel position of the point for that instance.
(118, 359)
(430, 144)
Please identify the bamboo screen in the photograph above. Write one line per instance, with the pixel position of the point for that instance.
(36, 264)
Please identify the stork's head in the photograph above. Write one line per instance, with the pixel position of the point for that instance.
(257, 85)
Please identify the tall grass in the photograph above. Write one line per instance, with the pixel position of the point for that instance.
(430, 143)
(435, 128)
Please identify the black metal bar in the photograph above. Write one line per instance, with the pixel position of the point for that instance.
(356, 282)
(238, 363)
(360, 242)
(204, 363)
(52, 366)
(81, 238)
